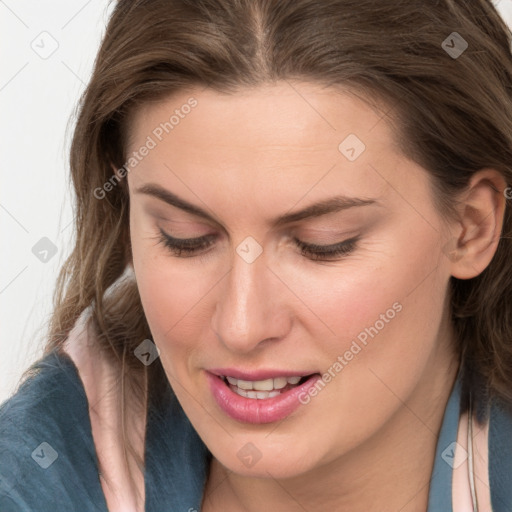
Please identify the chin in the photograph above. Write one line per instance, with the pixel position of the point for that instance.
(258, 459)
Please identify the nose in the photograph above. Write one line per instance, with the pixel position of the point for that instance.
(250, 311)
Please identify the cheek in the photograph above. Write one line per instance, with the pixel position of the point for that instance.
(389, 321)
(382, 357)
(174, 296)
(385, 303)
(170, 297)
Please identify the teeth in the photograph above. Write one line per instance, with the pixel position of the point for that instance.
(245, 384)
(259, 395)
(280, 382)
(241, 392)
(261, 389)
(263, 385)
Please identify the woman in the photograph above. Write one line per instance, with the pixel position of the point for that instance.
(290, 288)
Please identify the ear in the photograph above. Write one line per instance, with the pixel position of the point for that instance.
(478, 229)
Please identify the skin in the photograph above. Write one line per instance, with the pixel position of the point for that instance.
(247, 158)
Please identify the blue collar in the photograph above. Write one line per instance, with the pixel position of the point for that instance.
(176, 459)
(440, 494)
(499, 455)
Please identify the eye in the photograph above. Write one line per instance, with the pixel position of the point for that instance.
(185, 247)
(326, 252)
(188, 247)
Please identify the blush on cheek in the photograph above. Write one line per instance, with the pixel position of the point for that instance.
(350, 303)
(171, 300)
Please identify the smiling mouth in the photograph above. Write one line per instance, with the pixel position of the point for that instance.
(264, 389)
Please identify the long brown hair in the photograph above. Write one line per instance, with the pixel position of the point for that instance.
(453, 116)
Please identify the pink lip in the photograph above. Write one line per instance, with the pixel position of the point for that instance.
(257, 375)
(249, 410)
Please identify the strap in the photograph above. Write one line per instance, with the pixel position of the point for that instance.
(470, 478)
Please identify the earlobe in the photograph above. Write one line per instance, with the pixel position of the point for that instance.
(482, 210)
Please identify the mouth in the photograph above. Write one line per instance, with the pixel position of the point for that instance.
(264, 389)
(260, 401)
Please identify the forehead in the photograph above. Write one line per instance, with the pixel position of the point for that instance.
(291, 115)
(268, 142)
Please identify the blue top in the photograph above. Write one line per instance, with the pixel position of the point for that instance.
(48, 459)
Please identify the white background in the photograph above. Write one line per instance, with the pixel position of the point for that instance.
(37, 101)
(38, 96)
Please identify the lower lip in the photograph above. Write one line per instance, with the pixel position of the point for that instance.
(253, 410)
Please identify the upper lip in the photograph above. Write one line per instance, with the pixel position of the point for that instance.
(261, 374)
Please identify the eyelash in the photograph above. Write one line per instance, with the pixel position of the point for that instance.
(190, 246)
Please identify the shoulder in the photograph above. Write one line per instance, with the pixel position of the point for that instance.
(500, 432)
(42, 405)
(45, 439)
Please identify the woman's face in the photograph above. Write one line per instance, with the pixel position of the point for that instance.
(369, 322)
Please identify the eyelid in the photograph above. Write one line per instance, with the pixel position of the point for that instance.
(329, 247)
(187, 241)
(314, 252)
(326, 233)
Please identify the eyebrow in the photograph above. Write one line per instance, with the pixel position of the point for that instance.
(330, 205)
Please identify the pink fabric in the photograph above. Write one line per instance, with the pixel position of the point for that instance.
(122, 482)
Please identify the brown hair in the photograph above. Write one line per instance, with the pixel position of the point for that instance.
(453, 117)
